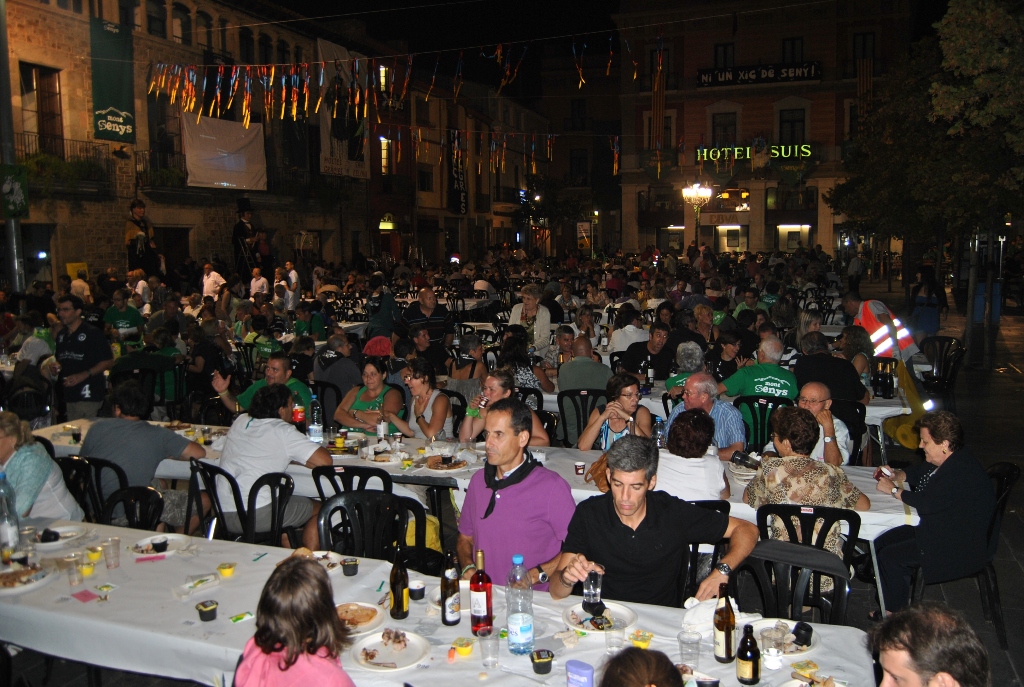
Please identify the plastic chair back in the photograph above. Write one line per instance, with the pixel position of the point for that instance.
(756, 411)
(785, 572)
(575, 407)
(688, 583)
(549, 421)
(526, 393)
(97, 467)
(810, 525)
(1004, 476)
(853, 414)
(418, 556)
(349, 478)
(142, 506)
(369, 523)
(458, 403)
(78, 480)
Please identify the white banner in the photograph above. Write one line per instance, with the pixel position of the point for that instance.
(341, 148)
(224, 154)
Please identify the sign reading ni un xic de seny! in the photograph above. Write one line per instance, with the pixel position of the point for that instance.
(758, 74)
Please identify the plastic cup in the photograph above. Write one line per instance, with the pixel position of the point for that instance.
(76, 434)
(581, 468)
(75, 576)
(614, 639)
(592, 586)
(112, 552)
(689, 649)
(488, 640)
(773, 642)
(94, 553)
(86, 567)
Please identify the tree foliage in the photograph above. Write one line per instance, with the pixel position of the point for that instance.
(982, 45)
(907, 172)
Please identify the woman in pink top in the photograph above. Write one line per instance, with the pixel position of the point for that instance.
(299, 638)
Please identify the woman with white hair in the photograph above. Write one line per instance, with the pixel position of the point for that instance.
(533, 317)
(689, 359)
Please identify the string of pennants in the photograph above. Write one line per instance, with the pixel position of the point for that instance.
(347, 88)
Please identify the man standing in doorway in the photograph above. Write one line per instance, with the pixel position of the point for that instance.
(84, 355)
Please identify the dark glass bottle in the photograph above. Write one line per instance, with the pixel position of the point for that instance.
(725, 627)
(748, 658)
(399, 586)
(450, 603)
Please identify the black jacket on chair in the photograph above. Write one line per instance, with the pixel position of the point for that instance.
(955, 509)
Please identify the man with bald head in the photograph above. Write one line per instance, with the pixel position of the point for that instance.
(765, 378)
(426, 311)
(583, 372)
(834, 443)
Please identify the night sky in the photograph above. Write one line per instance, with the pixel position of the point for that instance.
(436, 25)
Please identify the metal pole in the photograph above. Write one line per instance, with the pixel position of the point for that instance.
(14, 264)
(990, 271)
(972, 289)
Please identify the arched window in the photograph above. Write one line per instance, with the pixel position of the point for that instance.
(284, 53)
(266, 48)
(156, 18)
(246, 47)
(181, 24)
(298, 54)
(204, 30)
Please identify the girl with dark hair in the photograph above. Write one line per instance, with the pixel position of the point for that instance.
(724, 359)
(516, 357)
(608, 423)
(634, 667)
(299, 638)
(362, 406)
(689, 467)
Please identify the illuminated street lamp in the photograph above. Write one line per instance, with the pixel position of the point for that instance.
(697, 196)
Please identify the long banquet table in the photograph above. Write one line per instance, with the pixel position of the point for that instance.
(143, 628)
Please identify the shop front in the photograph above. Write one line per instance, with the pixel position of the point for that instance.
(726, 232)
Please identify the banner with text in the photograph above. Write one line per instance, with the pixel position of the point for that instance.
(458, 195)
(113, 81)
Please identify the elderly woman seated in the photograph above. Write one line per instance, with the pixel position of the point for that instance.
(794, 477)
(689, 359)
(689, 468)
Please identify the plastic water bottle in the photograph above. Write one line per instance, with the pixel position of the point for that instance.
(9, 524)
(315, 428)
(519, 600)
(658, 434)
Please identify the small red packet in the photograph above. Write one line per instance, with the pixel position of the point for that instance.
(85, 596)
(147, 559)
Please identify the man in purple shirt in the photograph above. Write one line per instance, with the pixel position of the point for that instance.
(514, 505)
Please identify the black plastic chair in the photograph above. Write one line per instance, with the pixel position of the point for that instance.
(418, 557)
(247, 353)
(853, 414)
(369, 525)
(669, 403)
(28, 403)
(688, 577)
(615, 360)
(946, 355)
(78, 480)
(213, 412)
(349, 478)
(491, 354)
(802, 531)
(97, 466)
(785, 572)
(142, 507)
(759, 409)
(525, 393)
(322, 389)
(47, 444)
(281, 486)
(1004, 476)
(549, 421)
(458, 403)
(574, 407)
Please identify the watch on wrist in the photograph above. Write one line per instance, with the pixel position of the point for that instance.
(542, 577)
(895, 490)
(724, 568)
(829, 440)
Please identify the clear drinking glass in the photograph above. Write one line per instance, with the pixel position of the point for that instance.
(689, 649)
(488, 640)
(592, 586)
(614, 638)
(112, 552)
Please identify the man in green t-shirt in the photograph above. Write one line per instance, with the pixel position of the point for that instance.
(309, 324)
(765, 378)
(279, 371)
(123, 317)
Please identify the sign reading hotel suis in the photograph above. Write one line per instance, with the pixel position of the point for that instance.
(758, 74)
(775, 152)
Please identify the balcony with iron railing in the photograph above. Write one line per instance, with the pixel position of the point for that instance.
(62, 167)
(160, 170)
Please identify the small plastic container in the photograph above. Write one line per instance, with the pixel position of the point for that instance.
(350, 566)
(579, 674)
(226, 569)
(86, 567)
(542, 660)
(803, 633)
(463, 646)
(581, 467)
(94, 553)
(641, 639)
(159, 544)
(417, 590)
(207, 610)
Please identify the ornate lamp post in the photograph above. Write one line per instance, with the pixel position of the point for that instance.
(697, 196)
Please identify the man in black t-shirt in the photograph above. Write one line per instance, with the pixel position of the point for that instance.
(817, 364)
(653, 350)
(640, 537)
(84, 355)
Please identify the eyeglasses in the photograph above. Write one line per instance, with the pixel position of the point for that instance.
(686, 392)
(801, 399)
(637, 395)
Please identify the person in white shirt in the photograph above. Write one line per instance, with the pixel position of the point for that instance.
(294, 293)
(263, 440)
(211, 282)
(689, 467)
(630, 333)
(80, 287)
(834, 442)
(259, 283)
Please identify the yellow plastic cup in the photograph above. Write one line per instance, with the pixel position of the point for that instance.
(87, 568)
(94, 553)
(226, 569)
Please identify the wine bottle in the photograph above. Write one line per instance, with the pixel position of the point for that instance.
(480, 611)
(399, 586)
(450, 603)
(725, 627)
(748, 658)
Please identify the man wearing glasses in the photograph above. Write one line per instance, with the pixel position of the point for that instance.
(701, 391)
(833, 445)
(84, 355)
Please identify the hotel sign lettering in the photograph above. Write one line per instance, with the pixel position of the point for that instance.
(759, 74)
(775, 152)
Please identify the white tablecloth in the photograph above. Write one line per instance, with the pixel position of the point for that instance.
(143, 628)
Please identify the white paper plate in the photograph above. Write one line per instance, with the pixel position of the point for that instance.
(41, 578)
(328, 558)
(374, 624)
(434, 596)
(623, 616)
(765, 623)
(174, 542)
(67, 534)
(418, 649)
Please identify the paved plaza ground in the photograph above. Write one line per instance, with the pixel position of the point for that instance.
(989, 404)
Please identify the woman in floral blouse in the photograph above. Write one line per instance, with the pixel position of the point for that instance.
(795, 478)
